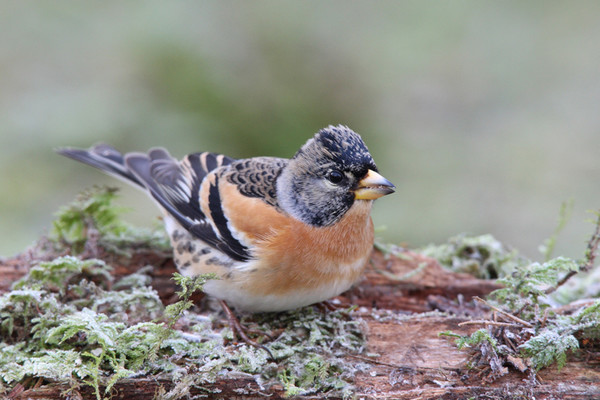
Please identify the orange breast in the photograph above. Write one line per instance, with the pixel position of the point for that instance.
(293, 255)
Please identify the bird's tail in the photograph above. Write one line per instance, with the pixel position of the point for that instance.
(105, 158)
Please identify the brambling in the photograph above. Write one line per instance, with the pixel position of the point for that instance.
(278, 233)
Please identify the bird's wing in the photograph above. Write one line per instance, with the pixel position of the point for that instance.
(176, 186)
(191, 189)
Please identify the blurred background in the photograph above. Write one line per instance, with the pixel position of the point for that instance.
(486, 115)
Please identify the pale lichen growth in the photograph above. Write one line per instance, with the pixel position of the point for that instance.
(69, 321)
(527, 329)
(481, 256)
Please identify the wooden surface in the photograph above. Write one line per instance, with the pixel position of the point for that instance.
(397, 304)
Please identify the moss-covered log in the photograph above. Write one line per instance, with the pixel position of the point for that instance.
(99, 326)
(405, 356)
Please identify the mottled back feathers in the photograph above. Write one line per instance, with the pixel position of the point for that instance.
(256, 177)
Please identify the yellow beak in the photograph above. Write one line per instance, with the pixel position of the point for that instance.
(373, 186)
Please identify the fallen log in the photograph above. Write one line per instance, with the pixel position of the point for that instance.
(405, 358)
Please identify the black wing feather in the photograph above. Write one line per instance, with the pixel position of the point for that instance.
(186, 210)
(220, 221)
(174, 185)
(103, 157)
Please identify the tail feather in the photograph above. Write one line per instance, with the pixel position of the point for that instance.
(105, 158)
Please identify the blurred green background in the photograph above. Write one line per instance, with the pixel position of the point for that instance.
(486, 115)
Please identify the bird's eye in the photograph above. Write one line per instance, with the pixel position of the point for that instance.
(335, 176)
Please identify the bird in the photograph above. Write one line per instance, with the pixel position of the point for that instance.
(279, 234)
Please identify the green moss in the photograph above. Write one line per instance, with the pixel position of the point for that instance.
(552, 343)
(57, 275)
(60, 323)
(481, 256)
(79, 344)
(526, 323)
(93, 217)
(477, 338)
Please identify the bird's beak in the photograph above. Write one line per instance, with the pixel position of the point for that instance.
(373, 186)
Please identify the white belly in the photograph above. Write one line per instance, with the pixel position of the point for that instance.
(236, 296)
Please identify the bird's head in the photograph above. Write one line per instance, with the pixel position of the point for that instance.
(327, 175)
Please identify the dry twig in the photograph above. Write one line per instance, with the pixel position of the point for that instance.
(504, 313)
(590, 258)
(488, 322)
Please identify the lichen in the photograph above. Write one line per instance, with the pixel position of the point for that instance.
(481, 256)
(526, 329)
(70, 321)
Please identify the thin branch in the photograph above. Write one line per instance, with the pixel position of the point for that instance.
(487, 322)
(592, 247)
(561, 282)
(400, 367)
(507, 315)
(590, 258)
(370, 360)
